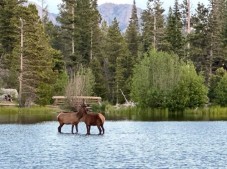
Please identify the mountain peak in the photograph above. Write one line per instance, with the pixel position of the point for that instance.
(108, 11)
(52, 17)
(122, 12)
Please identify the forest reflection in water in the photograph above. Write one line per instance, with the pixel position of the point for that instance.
(125, 144)
(166, 116)
(24, 117)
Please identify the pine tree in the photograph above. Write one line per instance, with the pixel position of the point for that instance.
(147, 29)
(79, 19)
(8, 31)
(207, 42)
(115, 63)
(125, 65)
(123, 77)
(199, 40)
(185, 10)
(186, 23)
(174, 30)
(83, 32)
(153, 26)
(37, 58)
(159, 26)
(97, 62)
(97, 53)
(216, 56)
(225, 24)
(67, 32)
(132, 33)
(9, 11)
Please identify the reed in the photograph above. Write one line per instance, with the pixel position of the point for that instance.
(135, 113)
(27, 115)
(149, 114)
(31, 110)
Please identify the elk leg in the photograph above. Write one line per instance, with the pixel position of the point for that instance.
(88, 130)
(72, 128)
(103, 130)
(76, 128)
(100, 130)
(59, 128)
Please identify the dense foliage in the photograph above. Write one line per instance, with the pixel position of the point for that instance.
(162, 80)
(190, 92)
(220, 91)
(122, 65)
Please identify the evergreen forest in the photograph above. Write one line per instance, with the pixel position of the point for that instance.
(168, 60)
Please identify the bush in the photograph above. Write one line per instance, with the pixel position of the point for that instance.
(190, 92)
(220, 92)
(154, 77)
(99, 107)
(60, 84)
(81, 84)
(44, 94)
(214, 80)
(163, 80)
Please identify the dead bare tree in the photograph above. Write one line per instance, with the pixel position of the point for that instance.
(80, 85)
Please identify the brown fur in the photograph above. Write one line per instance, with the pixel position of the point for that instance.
(93, 119)
(68, 118)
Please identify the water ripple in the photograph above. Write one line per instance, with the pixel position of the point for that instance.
(126, 145)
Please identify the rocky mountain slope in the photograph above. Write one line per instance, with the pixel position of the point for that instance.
(52, 17)
(108, 11)
(122, 12)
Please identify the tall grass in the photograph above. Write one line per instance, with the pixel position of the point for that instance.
(136, 113)
(148, 114)
(38, 114)
(27, 115)
(209, 113)
(31, 110)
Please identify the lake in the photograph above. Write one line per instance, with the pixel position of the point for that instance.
(126, 144)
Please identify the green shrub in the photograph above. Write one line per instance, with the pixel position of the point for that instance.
(214, 80)
(220, 92)
(190, 92)
(60, 84)
(162, 80)
(44, 94)
(99, 107)
(154, 77)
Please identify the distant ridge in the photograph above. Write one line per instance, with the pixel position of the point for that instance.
(122, 12)
(108, 11)
(51, 16)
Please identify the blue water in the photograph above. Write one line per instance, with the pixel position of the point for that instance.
(125, 145)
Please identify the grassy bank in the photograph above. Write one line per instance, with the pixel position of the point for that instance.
(39, 114)
(31, 110)
(27, 115)
(148, 114)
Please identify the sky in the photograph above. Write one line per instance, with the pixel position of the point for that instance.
(53, 4)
